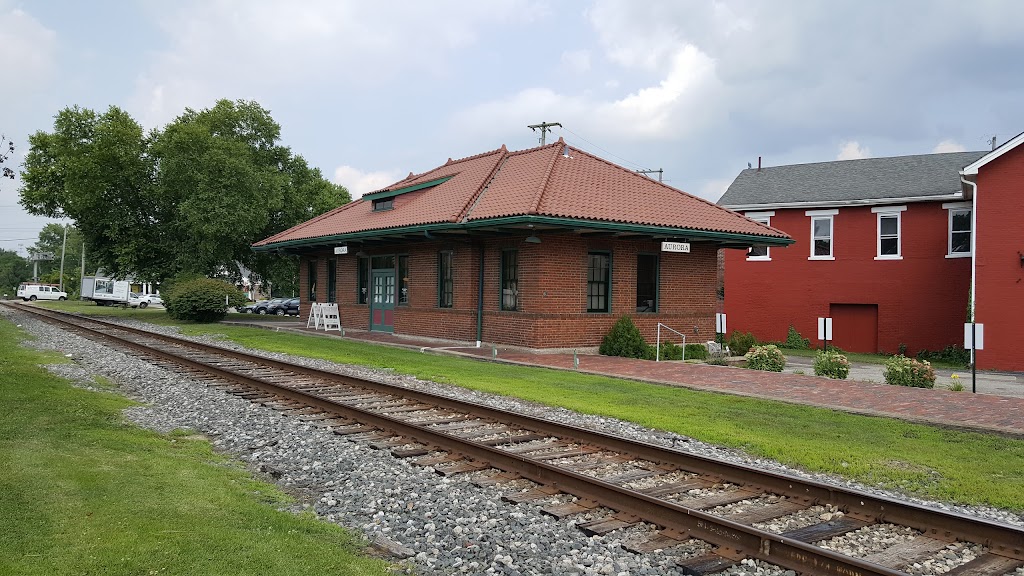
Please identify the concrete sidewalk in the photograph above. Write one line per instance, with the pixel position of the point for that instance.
(987, 382)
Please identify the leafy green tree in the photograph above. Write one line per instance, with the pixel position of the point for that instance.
(188, 199)
(13, 270)
(51, 239)
(5, 155)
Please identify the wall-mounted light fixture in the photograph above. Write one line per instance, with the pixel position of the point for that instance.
(361, 254)
(1021, 254)
(532, 240)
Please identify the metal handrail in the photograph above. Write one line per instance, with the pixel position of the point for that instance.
(657, 349)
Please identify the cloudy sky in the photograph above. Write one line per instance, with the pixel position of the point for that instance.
(369, 91)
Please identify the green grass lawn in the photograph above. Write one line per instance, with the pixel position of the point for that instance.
(966, 467)
(82, 492)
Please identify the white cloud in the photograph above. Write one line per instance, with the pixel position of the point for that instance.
(949, 145)
(852, 150)
(672, 108)
(359, 182)
(713, 189)
(28, 52)
(220, 49)
(577, 61)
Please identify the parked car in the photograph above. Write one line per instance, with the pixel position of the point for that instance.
(250, 308)
(136, 300)
(289, 307)
(261, 307)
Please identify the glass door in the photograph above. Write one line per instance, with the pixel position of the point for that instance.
(382, 301)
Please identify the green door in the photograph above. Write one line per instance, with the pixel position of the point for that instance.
(382, 301)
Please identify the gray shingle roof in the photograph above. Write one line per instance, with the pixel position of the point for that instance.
(850, 180)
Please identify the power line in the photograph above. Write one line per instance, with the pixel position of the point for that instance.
(606, 151)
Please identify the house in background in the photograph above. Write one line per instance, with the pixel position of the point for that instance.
(882, 246)
(994, 185)
(542, 248)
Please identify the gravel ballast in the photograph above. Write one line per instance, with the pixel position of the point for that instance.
(442, 525)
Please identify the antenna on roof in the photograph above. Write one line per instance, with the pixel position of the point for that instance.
(544, 128)
(993, 142)
(749, 166)
(660, 172)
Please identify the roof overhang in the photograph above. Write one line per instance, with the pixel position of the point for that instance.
(952, 196)
(494, 227)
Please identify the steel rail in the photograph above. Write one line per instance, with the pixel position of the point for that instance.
(1001, 539)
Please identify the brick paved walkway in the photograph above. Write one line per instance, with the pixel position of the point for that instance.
(987, 412)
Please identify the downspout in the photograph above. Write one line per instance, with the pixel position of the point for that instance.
(480, 301)
(974, 250)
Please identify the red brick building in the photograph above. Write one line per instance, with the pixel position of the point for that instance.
(995, 187)
(543, 248)
(883, 247)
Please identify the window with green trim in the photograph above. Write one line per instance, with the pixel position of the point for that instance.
(510, 280)
(332, 280)
(403, 279)
(599, 283)
(362, 279)
(445, 280)
(646, 282)
(311, 276)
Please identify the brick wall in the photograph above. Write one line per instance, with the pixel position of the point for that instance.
(921, 298)
(1000, 270)
(552, 291)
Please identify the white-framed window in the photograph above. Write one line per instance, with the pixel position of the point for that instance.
(958, 243)
(760, 253)
(822, 234)
(889, 241)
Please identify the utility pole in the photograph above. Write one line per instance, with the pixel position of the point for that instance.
(659, 171)
(63, 250)
(544, 127)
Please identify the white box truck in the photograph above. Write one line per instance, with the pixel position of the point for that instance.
(105, 291)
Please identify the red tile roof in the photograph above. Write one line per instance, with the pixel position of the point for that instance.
(554, 181)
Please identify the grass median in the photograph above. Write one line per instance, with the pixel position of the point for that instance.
(83, 492)
(929, 461)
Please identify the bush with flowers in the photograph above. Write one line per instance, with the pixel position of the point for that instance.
(832, 364)
(767, 357)
(903, 371)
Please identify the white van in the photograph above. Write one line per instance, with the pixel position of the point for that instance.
(40, 292)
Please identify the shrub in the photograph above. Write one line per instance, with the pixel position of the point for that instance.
(201, 300)
(696, 352)
(903, 371)
(795, 341)
(831, 364)
(956, 386)
(669, 351)
(766, 357)
(624, 339)
(739, 343)
(957, 355)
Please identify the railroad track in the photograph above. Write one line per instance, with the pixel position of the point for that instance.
(739, 512)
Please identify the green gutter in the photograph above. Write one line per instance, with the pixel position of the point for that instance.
(536, 220)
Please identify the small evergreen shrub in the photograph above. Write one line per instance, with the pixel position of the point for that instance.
(795, 341)
(739, 343)
(624, 339)
(831, 364)
(766, 357)
(202, 300)
(696, 352)
(903, 371)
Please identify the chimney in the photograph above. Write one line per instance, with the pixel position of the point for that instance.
(758, 163)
